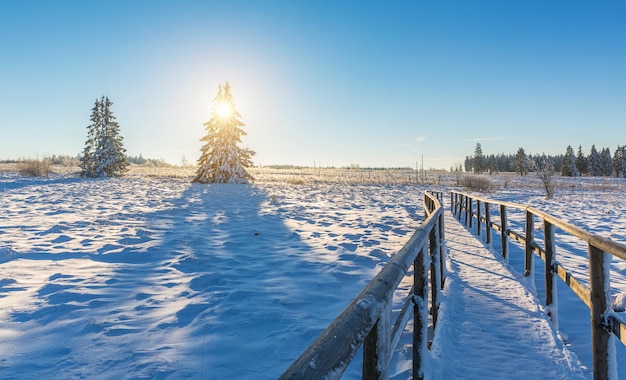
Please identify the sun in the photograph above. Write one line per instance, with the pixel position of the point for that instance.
(223, 110)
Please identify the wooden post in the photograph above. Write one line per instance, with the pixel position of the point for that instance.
(460, 210)
(420, 312)
(478, 221)
(505, 238)
(442, 253)
(435, 277)
(471, 212)
(467, 210)
(376, 347)
(599, 282)
(455, 203)
(549, 273)
(487, 223)
(528, 252)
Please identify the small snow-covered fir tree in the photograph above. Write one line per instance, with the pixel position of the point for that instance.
(104, 153)
(223, 160)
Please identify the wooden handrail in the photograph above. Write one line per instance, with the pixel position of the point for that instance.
(367, 319)
(595, 297)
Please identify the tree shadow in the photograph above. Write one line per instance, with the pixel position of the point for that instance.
(13, 181)
(203, 282)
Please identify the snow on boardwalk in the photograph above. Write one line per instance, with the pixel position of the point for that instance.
(490, 325)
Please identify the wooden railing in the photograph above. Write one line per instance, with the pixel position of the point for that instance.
(476, 210)
(367, 319)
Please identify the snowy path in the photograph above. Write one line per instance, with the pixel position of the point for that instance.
(491, 326)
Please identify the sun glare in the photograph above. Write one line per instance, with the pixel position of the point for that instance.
(223, 110)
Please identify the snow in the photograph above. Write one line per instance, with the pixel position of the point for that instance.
(142, 277)
(489, 317)
(619, 303)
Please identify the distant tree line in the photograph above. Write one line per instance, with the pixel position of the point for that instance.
(598, 163)
(140, 160)
(67, 160)
(64, 160)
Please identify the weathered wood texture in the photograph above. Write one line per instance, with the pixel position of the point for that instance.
(550, 272)
(600, 309)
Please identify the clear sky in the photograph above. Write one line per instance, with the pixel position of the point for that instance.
(373, 83)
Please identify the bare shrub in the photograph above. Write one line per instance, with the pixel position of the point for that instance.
(476, 183)
(296, 180)
(35, 168)
(545, 172)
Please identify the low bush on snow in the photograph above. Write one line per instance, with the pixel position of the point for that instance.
(35, 168)
(476, 183)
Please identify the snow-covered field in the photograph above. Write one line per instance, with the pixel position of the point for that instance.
(146, 277)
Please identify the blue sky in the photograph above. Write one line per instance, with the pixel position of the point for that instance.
(373, 83)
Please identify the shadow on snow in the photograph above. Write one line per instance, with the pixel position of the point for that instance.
(211, 286)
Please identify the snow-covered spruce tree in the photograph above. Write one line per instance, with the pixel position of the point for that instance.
(521, 164)
(104, 153)
(479, 160)
(111, 153)
(222, 159)
(619, 162)
(582, 164)
(595, 162)
(568, 168)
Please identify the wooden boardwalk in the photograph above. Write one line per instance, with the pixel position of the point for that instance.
(491, 326)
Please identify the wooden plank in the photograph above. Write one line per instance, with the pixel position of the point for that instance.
(599, 281)
(442, 251)
(466, 213)
(471, 212)
(496, 227)
(549, 275)
(619, 329)
(376, 347)
(434, 273)
(577, 287)
(487, 224)
(528, 251)
(518, 237)
(461, 200)
(420, 312)
(478, 224)
(503, 231)
(400, 323)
